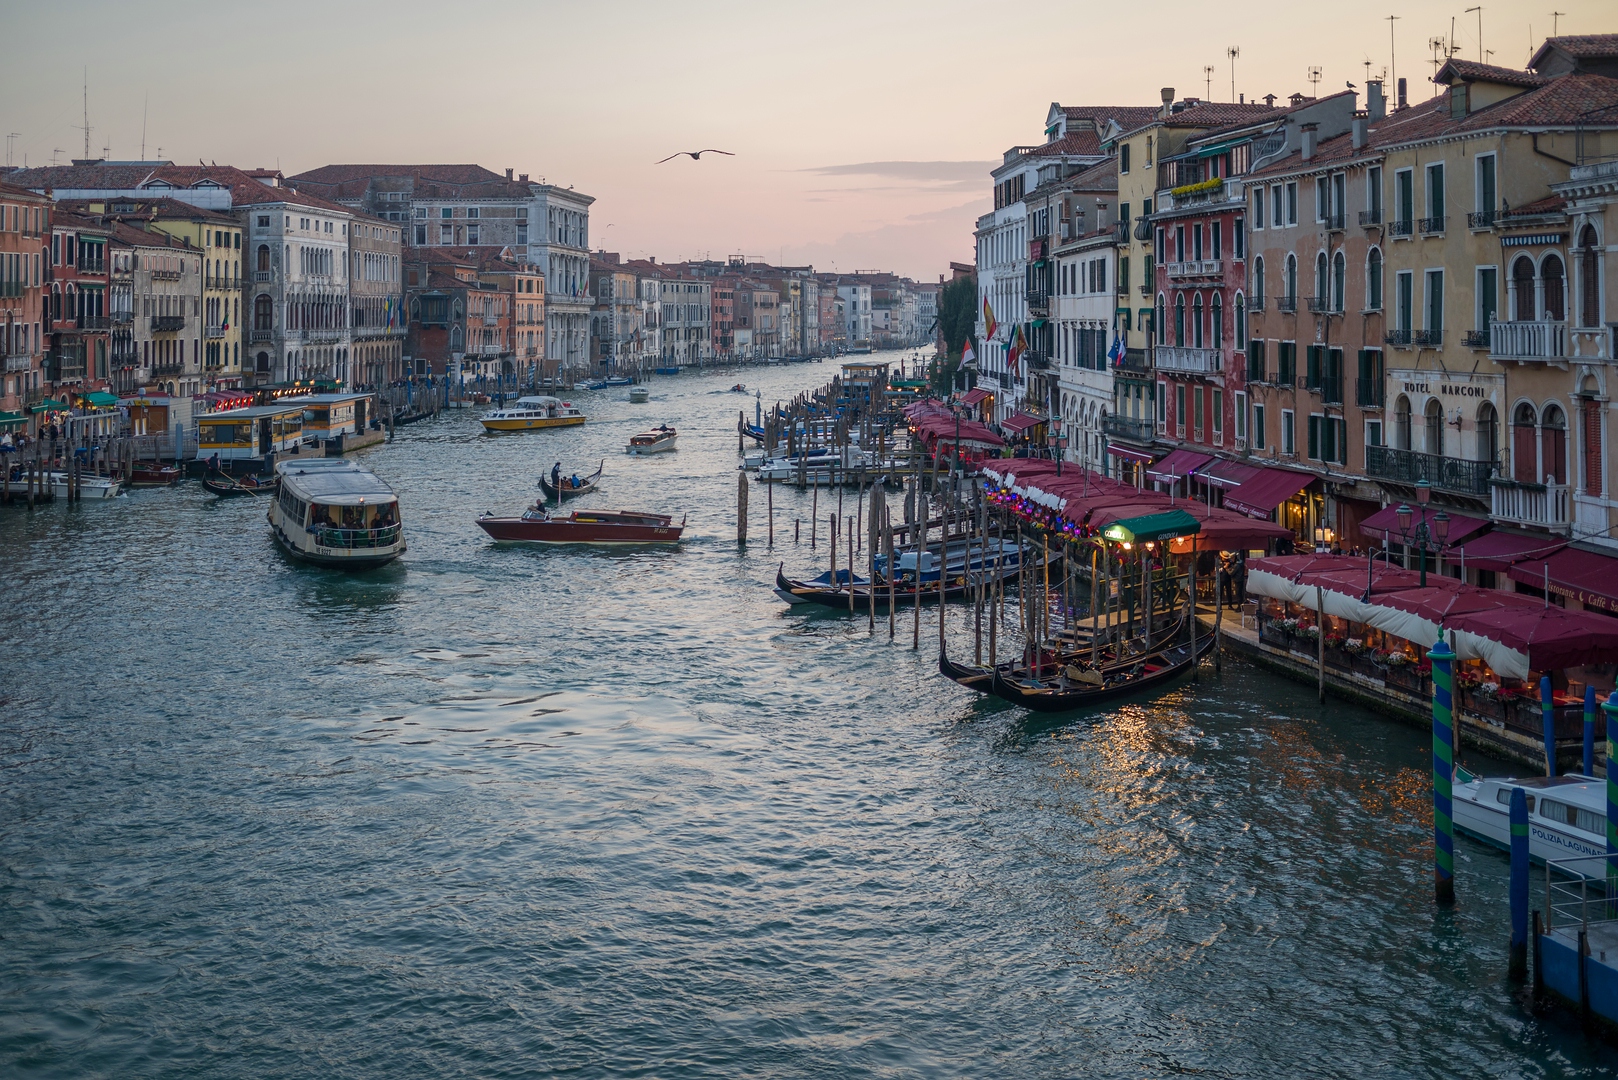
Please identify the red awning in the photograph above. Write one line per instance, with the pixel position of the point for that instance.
(1129, 454)
(975, 395)
(1178, 465)
(1551, 637)
(1385, 522)
(1260, 496)
(1585, 576)
(1020, 422)
(1228, 474)
(1499, 550)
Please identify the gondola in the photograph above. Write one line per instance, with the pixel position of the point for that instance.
(227, 486)
(980, 678)
(1060, 694)
(836, 597)
(587, 484)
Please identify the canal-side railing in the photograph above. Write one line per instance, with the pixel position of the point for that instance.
(1577, 894)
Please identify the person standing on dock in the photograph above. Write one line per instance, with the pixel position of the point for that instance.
(1227, 582)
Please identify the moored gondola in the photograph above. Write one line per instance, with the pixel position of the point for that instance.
(587, 484)
(957, 587)
(226, 486)
(1129, 676)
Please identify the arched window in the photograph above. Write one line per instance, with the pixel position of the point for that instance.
(1589, 278)
(1401, 423)
(1196, 320)
(1435, 428)
(1488, 433)
(1217, 322)
(1258, 281)
(1373, 280)
(1162, 319)
(264, 258)
(1339, 270)
(1553, 446)
(1550, 272)
(1179, 320)
(1291, 283)
(1241, 321)
(1320, 279)
(263, 363)
(1522, 289)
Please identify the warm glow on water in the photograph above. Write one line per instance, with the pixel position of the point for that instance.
(498, 812)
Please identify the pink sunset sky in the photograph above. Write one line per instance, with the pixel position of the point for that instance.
(863, 132)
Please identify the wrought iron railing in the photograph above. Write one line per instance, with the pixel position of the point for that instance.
(1286, 303)
(1444, 473)
(1431, 225)
(1397, 337)
(1480, 219)
(1369, 218)
(1401, 228)
(1128, 427)
(1475, 339)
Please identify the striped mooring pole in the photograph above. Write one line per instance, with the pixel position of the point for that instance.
(1610, 709)
(1443, 660)
(1517, 963)
(1550, 724)
(1589, 731)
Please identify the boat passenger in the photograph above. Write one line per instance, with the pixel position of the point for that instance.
(573, 481)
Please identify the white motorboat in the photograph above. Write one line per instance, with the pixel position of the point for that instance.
(1567, 815)
(818, 467)
(331, 512)
(639, 395)
(658, 440)
(91, 487)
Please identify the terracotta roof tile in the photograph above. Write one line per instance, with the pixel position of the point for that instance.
(1581, 47)
(1470, 71)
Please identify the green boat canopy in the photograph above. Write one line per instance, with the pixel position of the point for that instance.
(100, 398)
(1168, 525)
(47, 405)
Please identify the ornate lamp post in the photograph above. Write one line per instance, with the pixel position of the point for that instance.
(1424, 532)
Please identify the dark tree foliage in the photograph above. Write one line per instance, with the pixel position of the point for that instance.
(957, 317)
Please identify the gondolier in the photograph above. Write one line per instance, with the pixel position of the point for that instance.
(556, 475)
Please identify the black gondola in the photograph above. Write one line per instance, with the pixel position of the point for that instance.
(980, 678)
(226, 486)
(804, 592)
(586, 484)
(1060, 694)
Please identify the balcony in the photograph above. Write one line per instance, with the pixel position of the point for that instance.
(1334, 222)
(167, 324)
(1255, 304)
(1193, 361)
(1370, 219)
(19, 362)
(1037, 361)
(1121, 232)
(1397, 338)
(1482, 219)
(165, 275)
(1330, 389)
(1401, 228)
(1427, 339)
(1544, 506)
(10, 289)
(1445, 474)
(1527, 341)
(1128, 427)
(92, 266)
(214, 332)
(94, 322)
(325, 333)
(1370, 393)
(1134, 360)
(1476, 339)
(1195, 268)
(1146, 289)
(168, 367)
(263, 275)
(122, 318)
(1431, 226)
(1039, 302)
(260, 337)
(1286, 304)
(1324, 305)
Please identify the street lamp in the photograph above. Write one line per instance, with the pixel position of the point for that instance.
(1424, 532)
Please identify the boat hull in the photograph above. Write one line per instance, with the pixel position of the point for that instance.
(532, 423)
(91, 488)
(661, 447)
(1489, 820)
(332, 559)
(1054, 698)
(524, 531)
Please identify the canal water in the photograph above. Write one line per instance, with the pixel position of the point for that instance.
(494, 812)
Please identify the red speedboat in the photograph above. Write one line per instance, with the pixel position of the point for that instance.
(583, 527)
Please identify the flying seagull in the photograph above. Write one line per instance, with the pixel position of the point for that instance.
(695, 155)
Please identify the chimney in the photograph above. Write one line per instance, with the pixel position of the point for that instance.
(508, 173)
(522, 178)
(1168, 100)
(1361, 129)
(1376, 106)
(1402, 102)
(1269, 100)
(1308, 140)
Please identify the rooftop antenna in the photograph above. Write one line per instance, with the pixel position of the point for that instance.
(1207, 82)
(87, 113)
(11, 141)
(1556, 22)
(1481, 53)
(1314, 80)
(56, 151)
(1393, 58)
(1440, 47)
(146, 101)
(1233, 52)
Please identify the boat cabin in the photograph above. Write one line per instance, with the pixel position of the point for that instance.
(156, 414)
(331, 507)
(253, 432)
(329, 417)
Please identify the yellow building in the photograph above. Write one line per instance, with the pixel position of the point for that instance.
(219, 238)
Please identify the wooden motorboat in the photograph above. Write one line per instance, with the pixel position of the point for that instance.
(537, 526)
(738, 389)
(586, 484)
(226, 486)
(1057, 692)
(532, 414)
(654, 441)
(151, 474)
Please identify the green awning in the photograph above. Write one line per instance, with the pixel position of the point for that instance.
(1219, 148)
(47, 405)
(1037, 323)
(1168, 525)
(99, 398)
(11, 419)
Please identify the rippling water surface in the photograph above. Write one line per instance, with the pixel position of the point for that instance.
(499, 812)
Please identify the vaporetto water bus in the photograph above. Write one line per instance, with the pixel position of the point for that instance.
(532, 414)
(331, 512)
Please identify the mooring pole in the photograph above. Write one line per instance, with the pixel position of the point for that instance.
(1609, 709)
(741, 508)
(893, 571)
(1320, 639)
(1589, 731)
(1517, 961)
(1547, 715)
(1443, 775)
(769, 502)
(851, 564)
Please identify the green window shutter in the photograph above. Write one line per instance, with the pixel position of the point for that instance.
(1312, 359)
(1314, 437)
(1365, 363)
